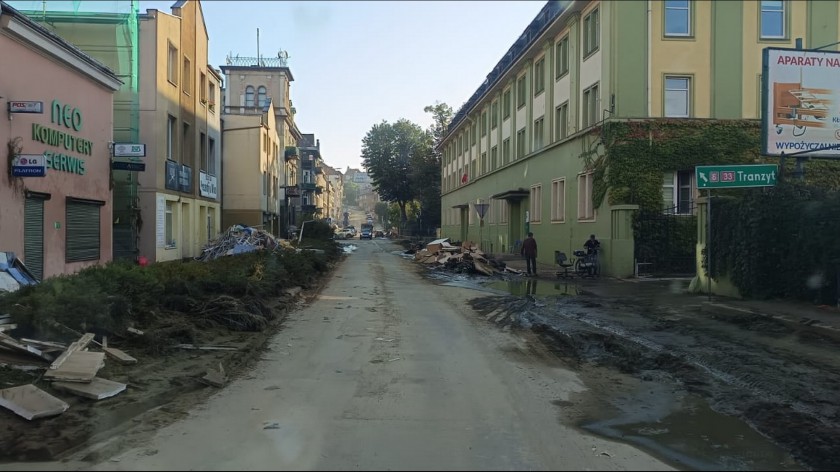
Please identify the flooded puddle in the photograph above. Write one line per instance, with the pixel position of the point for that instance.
(687, 433)
(535, 287)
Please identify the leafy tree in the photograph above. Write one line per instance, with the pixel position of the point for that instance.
(351, 194)
(426, 168)
(388, 153)
(381, 210)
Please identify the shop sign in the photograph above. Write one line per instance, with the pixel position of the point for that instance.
(129, 150)
(26, 107)
(207, 185)
(71, 118)
(29, 165)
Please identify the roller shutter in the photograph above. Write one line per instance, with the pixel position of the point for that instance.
(33, 236)
(83, 228)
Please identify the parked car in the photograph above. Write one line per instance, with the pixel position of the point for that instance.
(378, 234)
(343, 234)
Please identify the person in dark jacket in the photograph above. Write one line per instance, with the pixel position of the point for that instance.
(529, 251)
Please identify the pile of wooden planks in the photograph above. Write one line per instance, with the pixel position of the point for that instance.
(464, 258)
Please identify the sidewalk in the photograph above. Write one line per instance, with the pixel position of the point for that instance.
(793, 313)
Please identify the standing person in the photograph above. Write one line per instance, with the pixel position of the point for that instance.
(592, 245)
(529, 251)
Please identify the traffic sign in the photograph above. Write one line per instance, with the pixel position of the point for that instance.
(29, 165)
(132, 166)
(735, 176)
(129, 150)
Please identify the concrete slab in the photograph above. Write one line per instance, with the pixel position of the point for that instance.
(97, 389)
(31, 402)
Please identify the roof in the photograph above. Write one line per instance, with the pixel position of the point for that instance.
(6, 9)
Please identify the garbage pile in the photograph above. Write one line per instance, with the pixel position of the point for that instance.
(467, 258)
(13, 274)
(239, 239)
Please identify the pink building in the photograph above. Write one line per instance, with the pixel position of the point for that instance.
(60, 222)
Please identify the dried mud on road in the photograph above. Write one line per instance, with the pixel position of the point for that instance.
(684, 384)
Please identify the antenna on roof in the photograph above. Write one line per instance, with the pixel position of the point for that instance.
(258, 46)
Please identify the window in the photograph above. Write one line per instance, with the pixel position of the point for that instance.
(170, 138)
(265, 182)
(483, 124)
(677, 18)
(473, 134)
(590, 106)
(506, 151)
(677, 97)
(538, 133)
(249, 96)
(520, 144)
(520, 92)
(558, 200)
(484, 168)
(539, 77)
(172, 65)
(773, 19)
(503, 211)
(187, 85)
(205, 159)
(494, 115)
(261, 97)
(562, 59)
(506, 104)
(536, 203)
(82, 230)
(586, 210)
(169, 225)
(202, 90)
(212, 96)
(211, 156)
(494, 157)
(185, 145)
(678, 192)
(561, 121)
(591, 32)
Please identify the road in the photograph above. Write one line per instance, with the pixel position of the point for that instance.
(385, 370)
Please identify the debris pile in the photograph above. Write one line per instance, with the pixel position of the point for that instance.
(467, 258)
(239, 239)
(72, 369)
(13, 273)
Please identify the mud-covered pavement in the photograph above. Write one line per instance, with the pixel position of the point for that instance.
(700, 389)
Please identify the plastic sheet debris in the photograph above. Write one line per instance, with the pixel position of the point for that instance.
(239, 239)
(13, 273)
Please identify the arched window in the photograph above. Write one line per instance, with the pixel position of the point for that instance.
(261, 100)
(249, 96)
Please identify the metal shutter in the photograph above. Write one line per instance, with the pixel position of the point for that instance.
(33, 236)
(82, 231)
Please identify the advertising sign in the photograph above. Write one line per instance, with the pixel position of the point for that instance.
(800, 102)
(207, 185)
(172, 171)
(185, 179)
(29, 165)
(129, 150)
(130, 166)
(26, 107)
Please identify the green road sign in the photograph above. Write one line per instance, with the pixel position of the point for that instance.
(758, 175)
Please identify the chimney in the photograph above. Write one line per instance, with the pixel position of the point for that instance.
(318, 143)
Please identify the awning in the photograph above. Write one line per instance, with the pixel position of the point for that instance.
(514, 195)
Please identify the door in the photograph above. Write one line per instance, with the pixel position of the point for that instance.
(465, 221)
(516, 222)
(33, 236)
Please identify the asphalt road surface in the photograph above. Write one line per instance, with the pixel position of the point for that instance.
(385, 370)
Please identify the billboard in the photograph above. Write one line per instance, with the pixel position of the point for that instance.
(800, 102)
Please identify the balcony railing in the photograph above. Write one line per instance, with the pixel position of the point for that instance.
(237, 61)
(292, 153)
(308, 186)
(243, 110)
(308, 209)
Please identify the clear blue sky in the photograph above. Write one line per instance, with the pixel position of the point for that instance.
(358, 63)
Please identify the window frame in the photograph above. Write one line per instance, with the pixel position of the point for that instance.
(561, 64)
(688, 91)
(186, 85)
(539, 125)
(253, 93)
(521, 149)
(689, 8)
(558, 205)
(561, 126)
(262, 96)
(506, 103)
(785, 26)
(521, 91)
(591, 40)
(494, 114)
(169, 225)
(590, 105)
(172, 64)
(535, 203)
(171, 136)
(586, 191)
(506, 151)
(539, 76)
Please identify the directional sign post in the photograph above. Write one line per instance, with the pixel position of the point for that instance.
(734, 176)
(758, 175)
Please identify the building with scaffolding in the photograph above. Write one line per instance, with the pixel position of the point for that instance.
(107, 31)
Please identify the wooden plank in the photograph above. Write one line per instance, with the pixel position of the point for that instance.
(135, 331)
(9, 342)
(43, 344)
(80, 366)
(7, 327)
(97, 389)
(76, 346)
(207, 348)
(31, 402)
(119, 356)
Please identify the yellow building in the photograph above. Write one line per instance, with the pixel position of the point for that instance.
(179, 123)
(253, 169)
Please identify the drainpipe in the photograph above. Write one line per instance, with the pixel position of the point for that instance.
(649, 59)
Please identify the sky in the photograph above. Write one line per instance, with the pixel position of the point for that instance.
(356, 64)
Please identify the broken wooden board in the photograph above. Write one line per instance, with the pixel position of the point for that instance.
(31, 402)
(72, 348)
(11, 343)
(119, 355)
(8, 327)
(43, 344)
(97, 389)
(207, 348)
(479, 266)
(216, 378)
(80, 366)
(135, 331)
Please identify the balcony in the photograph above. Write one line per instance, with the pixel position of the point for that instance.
(319, 190)
(319, 170)
(292, 191)
(308, 186)
(292, 153)
(308, 209)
